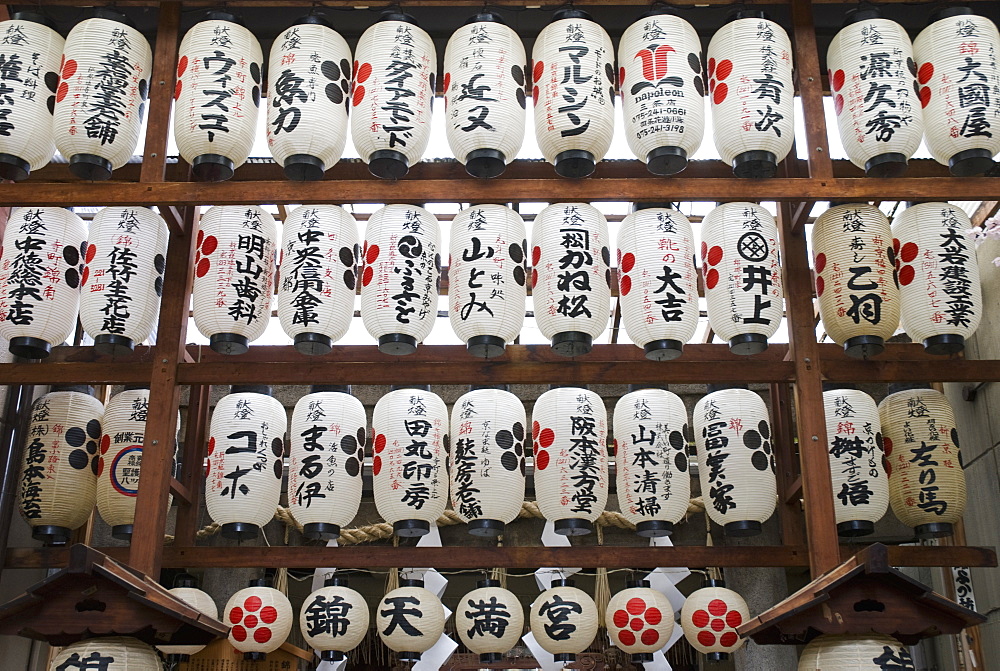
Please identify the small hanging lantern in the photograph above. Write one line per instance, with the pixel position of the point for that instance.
(563, 620)
(392, 93)
(327, 451)
(654, 485)
(484, 94)
(410, 620)
(106, 653)
(571, 275)
(260, 618)
(875, 92)
(59, 467)
(123, 279)
(487, 464)
(739, 255)
(234, 275)
(334, 619)
(243, 470)
(657, 283)
(934, 257)
(487, 278)
(319, 269)
(855, 652)
(399, 286)
(853, 254)
(574, 92)
(187, 591)
(926, 478)
(710, 617)
(570, 429)
(489, 620)
(640, 620)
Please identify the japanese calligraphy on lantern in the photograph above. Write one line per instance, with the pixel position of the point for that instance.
(334, 617)
(962, 577)
(564, 620)
(106, 653)
(409, 619)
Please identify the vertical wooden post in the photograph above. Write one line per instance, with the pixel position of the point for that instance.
(161, 93)
(192, 474)
(792, 529)
(810, 88)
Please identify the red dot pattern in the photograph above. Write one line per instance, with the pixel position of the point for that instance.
(711, 256)
(907, 253)
(837, 80)
(247, 618)
(717, 623)
(633, 620)
(717, 73)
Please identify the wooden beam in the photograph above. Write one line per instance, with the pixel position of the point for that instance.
(353, 4)
(192, 475)
(180, 491)
(161, 93)
(986, 209)
(783, 444)
(810, 86)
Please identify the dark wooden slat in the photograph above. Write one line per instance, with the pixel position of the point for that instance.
(161, 93)
(986, 209)
(180, 491)
(810, 87)
(96, 373)
(783, 430)
(192, 474)
(432, 3)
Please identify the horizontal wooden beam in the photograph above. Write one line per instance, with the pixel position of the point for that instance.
(531, 4)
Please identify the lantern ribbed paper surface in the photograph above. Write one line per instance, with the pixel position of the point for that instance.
(41, 264)
(261, 619)
(217, 96)
(393, 89)
(309, 86)
(657, 283)
(570, 431)
(109, 653)
(735, 460)
(205, 604)
(574, 92)
(489, 620)
(409, 473)
(710, 617)
(334, 619)
(487, 277)
(123, 280)
(854, 261)
(484, 94)
(486, 464)
(926, 479)
(640, 621)
(399, 286)
(103, 86)
(860, 485)
(319, 268)
(571, 275)
(410, 620)
(871, 70)
(59, 466)
(855, 652)
(654, 485)
(234, 275)
(244, 469)
(739, 255)
(563, 620)
(940, 298)
(663, 91)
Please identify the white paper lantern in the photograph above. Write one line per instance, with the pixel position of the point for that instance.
(319, 267)
(574, 92)
(106, 653)
(327, 450)
(409, 473)
(334, 619)
(735, 460)
(41, 262)
(244, 469)
(123, 279)
(234, 275)
(855, 652)
(59, 465)
(856, 283)
(309, 87)
(489, 621)
(940, 297)
(875, 93)
(563, 620)
(392, 92)
(260, 618)
(663, 90)
(487, 278)
(399, 286)
(743, 291)
(410, 620)
(31, 50)
(217, 95)
(486, 465)
(657, 283)
(709, 618)
(570, 432)
(640, 620)
(188, 592)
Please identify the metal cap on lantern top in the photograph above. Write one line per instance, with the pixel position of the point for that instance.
(563, 620)
(334, 619)
(410, 620)
(489, 621)
(260, 618)
(186, 589)
(709, 618)
(112, 653)
(640, 620)
(855, 652)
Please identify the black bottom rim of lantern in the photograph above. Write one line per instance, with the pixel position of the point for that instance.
(863, 347)
(757, 164)
(177, 658)
(388, 164)
(486, 346)
(945, 343)
(490, 657)
(255, 656)
(663, 350)
(654, 528)
(565, 657)
(742, 528)
(29, 347)
(575, 163)
(332, 656)
(572, 343)
(970, 162)
(240, 531)
(411, 528)
(51, 534)
(90, 167)
(666, 160)
(397, 344)
(891, 164)
(747, 344)
(122, 532)
(573, 527)
(313, 344)
(304, 168)
(409, 656)
(229, 343)
(934, 530)
(113, 345)
(717, 656)
(212, 168)
(14, 168)
(642, 657)
(320, 531)
(485, 163)
(484, 527)
(853, 528)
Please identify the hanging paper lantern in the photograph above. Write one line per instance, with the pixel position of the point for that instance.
(399, 286)
(123, 279)
(327, 450)
(244, 469)
(569, 429)
(654, 485)
(926, 478)
(319, 267)
(392, 92)
(657, 283)
(563, 620)
(234, 276)
(875, 92)
(31, 49)
(853, 254)
(409, 475)
(940, 298)
(410, 620)
(188, 592)
(574, 92)
(59, 466)
(571, 275)
(855, 652)
(217, 95)
(106, 653)
(640, 620)
(487, 274)
(489, 621)
(739, 255)
(710, 617)
(334, 619)
(103, 85)
(260, 618)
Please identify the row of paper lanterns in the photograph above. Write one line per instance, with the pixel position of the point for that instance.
(314, 83)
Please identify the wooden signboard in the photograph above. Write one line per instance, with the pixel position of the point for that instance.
(222, 656)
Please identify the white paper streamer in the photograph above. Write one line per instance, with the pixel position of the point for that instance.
(546, 660)
(320, 576)
(545, 575)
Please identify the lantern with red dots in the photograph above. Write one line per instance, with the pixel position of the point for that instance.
(640, 620)
(710, 617)
(260, 618)
(855, 652)
(478, 620)
(186, 589)
(334, 637)
(563, 620)
(108, 653)
(410, 620)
